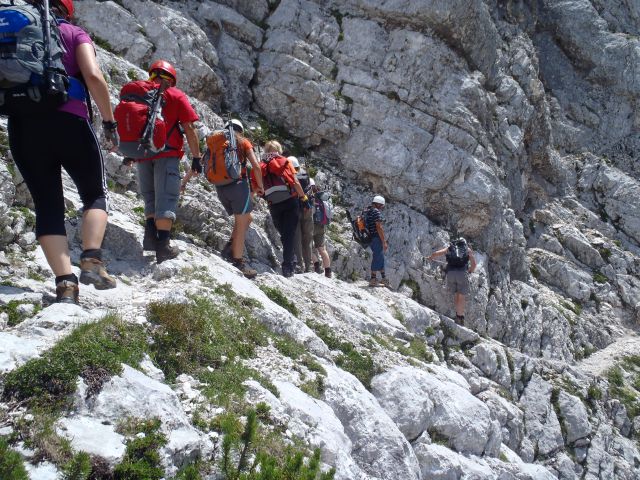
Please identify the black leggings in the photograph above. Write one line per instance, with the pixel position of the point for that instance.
(285, 218)
(41, 146)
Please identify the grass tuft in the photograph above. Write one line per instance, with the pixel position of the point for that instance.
(276, 296)
(102, 345)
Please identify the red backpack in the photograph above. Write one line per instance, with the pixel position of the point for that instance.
(143, 131)
(276, 189)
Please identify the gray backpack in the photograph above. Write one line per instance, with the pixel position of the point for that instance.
(32, 76)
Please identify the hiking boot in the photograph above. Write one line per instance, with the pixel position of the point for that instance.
(460, 319)
(67, 292)
(298, 270)
(373, 282)
(287, 270)
(92, 272)
(327, 272)
(164, 251)
(150, 238)
(384, 282)
(316, 267)
(246, 271)
(226, 253)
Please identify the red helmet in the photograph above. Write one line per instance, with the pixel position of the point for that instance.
(68, 5)
(164, 67)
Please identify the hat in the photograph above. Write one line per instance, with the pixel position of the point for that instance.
(237, 125)
(294, 161)
(378, 199)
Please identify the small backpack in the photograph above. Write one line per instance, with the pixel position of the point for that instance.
(32, 76)
(142, 129)
(222, 163)
(361, 233)
(276, 188)
(323, 209)
(457, 255)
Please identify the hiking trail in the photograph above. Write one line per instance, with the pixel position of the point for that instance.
(602, 360)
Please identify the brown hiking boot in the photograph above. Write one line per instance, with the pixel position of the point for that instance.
(67, 292)
(164, 251)
(373, 282)
(384, 282)
(246, 271)
(92, 272)
(150, 238)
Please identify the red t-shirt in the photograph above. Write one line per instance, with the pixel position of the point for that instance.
(177, 109)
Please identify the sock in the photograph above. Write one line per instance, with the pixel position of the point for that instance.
(382, 274)
(151, 223)
(71, 277)
(163, 235)
(373, 275)
(92, 253)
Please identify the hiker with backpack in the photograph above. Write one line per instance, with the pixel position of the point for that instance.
(460, 262)
(322, 216)
(304, 231)
(49, 129)
(163, 113)
(374, 219)
(283, 194)
(225, 165)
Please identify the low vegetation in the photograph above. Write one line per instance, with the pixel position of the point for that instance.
(276, 296)
(360, 365)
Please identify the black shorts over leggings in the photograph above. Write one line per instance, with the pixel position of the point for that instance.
(41, 145)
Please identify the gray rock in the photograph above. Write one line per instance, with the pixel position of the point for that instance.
(574, 416)
(541, 423)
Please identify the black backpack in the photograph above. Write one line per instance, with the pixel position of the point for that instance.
(457, 254)
(32, 76)
(361, 233)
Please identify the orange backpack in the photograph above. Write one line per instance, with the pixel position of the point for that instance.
(222, 161)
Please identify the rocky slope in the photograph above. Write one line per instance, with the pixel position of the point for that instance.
(512, 123)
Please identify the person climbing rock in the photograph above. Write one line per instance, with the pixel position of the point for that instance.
(378, 245)
(236, 200)
(304, 231)
(460, 262)
(159, 175)
(63, 137)
(283, 193)
(322, 215)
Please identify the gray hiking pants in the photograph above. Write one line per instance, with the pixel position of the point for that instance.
(159, 184)
(303, 238)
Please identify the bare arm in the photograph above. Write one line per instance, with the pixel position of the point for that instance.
(255, 167)
(438, 253)
(86, 57)
(192, 138)
(380, 231)
(472, 261)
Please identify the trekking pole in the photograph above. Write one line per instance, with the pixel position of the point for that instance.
(154, 111)
(50, 82)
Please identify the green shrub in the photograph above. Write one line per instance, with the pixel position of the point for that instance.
(11, 466)
(240, 444)
(615, 376)
(103, 346)
(278, 297)
(78, 468)
(599, 278)
(142, 460)
(209, 339)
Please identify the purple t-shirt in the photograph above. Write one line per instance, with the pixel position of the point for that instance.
(72, 36)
